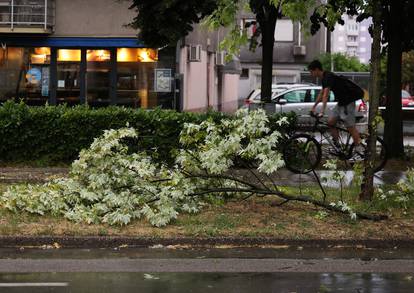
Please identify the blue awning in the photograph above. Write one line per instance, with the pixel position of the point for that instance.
(72, 42)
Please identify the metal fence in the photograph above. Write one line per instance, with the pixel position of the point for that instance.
(27, 13)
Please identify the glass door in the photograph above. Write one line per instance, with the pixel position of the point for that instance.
(68, 76)
(98, 69)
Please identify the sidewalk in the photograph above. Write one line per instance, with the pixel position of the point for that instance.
(30, 174)
(282, 177)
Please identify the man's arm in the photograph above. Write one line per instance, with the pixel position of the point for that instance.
(323, 96)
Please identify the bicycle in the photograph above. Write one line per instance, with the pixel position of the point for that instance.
(303, 152)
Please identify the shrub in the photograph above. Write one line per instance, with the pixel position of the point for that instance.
(110, 184)
(58, 133)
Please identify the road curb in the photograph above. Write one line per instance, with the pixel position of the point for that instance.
(111, 242)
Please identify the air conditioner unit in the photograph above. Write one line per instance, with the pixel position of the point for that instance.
(299, 50)
(194, 53)
(221, 58)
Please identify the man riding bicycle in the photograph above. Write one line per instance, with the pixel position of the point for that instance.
(346, 93)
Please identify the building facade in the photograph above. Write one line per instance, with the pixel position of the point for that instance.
(208, 81)
(353, 38)
(291, 54)
(78, 52)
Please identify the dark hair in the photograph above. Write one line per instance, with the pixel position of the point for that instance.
(315, 64)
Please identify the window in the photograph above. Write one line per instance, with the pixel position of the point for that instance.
(24, 74)
(68, 76)
(250, 26)
(136, 69)
(284, 31)
(245, 73)
(297, 96)
(352, 38)
(331, 96)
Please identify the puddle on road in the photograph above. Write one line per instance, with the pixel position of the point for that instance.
(213, 282)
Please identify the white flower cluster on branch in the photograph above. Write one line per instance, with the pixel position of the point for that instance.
(109, 184)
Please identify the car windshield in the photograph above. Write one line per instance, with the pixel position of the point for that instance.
(405, 94)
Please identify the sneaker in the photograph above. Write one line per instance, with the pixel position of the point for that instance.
(358, 153)
(336, 148)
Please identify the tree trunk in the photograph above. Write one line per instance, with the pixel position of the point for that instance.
(393, 132)
(267, 19)
(367, 187)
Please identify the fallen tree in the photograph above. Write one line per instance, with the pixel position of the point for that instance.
(111, 184)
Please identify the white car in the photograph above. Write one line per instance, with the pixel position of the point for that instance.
(302, 98)
(255, 96)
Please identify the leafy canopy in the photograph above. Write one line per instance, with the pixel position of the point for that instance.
(162, 23)
(342, 63)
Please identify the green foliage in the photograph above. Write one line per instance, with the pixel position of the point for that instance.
(400, 196)
(408, 68)
(342, 63)
(162, 23)
(111, 184)
(58, 133)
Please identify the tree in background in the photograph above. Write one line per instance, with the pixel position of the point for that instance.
(397, 37)
(331, 13)
(408, 71)
(164, 22)
(342, 63)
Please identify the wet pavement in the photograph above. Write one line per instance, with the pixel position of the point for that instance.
(168, 269)
(282, 177)
(208, 282)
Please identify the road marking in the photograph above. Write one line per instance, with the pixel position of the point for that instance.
(34, 284)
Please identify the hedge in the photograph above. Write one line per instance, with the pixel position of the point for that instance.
(56, 134)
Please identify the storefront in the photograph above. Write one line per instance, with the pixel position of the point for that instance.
(96, 71)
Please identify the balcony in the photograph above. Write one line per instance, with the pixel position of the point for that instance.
(27, 16)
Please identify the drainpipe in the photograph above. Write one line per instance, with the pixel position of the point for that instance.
(45, 15)
(12, 15)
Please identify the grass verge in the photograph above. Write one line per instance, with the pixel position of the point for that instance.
(255, 217)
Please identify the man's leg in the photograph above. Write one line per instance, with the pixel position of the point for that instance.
(355, 135)
(334, 132)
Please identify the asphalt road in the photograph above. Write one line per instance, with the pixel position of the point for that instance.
(282, 269)
(207, 265)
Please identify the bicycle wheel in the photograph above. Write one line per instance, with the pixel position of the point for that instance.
(302, 153)
(380, 156)
(339, 151)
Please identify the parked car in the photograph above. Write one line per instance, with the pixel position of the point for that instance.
(301, 99)
(406, 99)
(255, 96)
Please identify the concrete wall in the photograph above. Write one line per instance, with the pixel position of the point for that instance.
(98, 18)
(230, 93)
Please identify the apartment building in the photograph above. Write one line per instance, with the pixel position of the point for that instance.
(353, 38)
(78, 52)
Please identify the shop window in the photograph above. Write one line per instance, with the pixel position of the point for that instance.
(68, 76)
(98, 77)
(25, 74)
(65, 55)
(135, 80)
(137, 55)
(98, 55)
